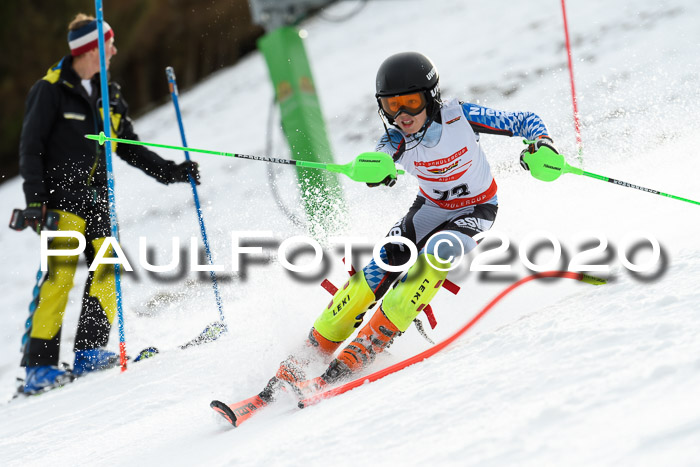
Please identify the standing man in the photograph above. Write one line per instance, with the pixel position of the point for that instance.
(66, 173)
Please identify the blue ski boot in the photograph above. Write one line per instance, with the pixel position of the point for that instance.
(90, 360)
(43, 378)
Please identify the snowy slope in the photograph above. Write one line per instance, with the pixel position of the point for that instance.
(560, 373)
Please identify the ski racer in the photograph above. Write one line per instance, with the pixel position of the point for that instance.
(438, 143)
(66, 173)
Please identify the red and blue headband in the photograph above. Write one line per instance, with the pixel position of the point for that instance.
(85, 39)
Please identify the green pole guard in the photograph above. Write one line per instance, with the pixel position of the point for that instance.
(304, 127)
(547, 165)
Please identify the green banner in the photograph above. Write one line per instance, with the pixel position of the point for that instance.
(304, 127)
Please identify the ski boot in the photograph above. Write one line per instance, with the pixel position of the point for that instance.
(373, 338)
(43, 378)
(399, 308)
(336, 323)
(292, 371)
(87, 361)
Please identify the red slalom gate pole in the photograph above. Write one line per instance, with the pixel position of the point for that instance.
(437, 348)
(577, 123)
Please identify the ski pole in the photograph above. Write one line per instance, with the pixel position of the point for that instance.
(170, 74)
(368, 167)
(19, 222)
(106, 125)
(547, 165)
(32, 308)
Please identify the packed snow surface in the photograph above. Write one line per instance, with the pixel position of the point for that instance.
(559, 373)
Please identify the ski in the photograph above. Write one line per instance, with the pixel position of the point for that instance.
(211, 333)
(20, 388)
(315, 398)
(69, 377)
(239, 412)
(310, 392)
(64, 380)
(148, 352)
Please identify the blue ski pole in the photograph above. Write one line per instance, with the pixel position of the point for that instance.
(32, 308)
(216, 329)
(110, 175)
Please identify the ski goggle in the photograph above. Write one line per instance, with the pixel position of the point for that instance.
(412, 104)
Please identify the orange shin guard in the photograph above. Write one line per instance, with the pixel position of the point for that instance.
(372, 339)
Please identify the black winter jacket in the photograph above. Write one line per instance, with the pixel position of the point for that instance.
(59, 165)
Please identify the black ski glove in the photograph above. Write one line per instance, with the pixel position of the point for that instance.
(35, 216)
(534, 146)
(180, 172)
(388, 181)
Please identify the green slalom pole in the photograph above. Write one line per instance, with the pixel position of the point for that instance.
(547, 165)
(368, 167)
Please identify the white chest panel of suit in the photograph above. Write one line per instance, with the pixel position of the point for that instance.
(454, 173)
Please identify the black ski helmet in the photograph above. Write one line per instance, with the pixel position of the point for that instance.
(408, 72)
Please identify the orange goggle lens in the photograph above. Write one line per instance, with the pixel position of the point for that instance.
(412, 104)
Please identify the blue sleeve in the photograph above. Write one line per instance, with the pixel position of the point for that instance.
(485, 120)
(392, 143)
